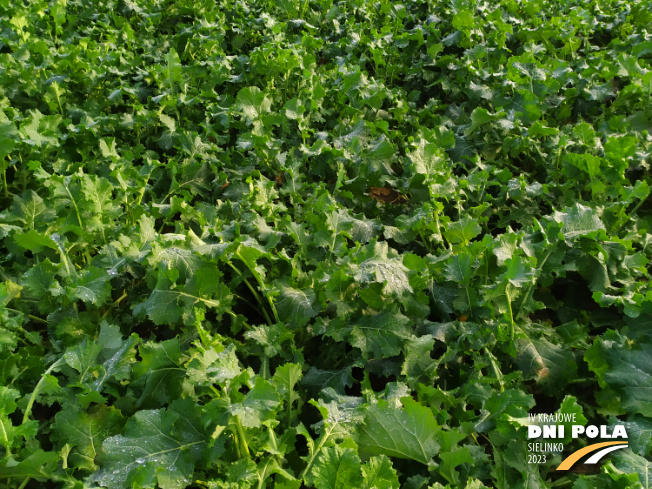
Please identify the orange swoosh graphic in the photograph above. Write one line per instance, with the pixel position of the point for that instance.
(575, 456)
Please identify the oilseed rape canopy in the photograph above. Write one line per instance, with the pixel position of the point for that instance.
(317, 244)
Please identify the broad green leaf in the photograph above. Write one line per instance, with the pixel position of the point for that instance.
(10, 434)
(404, 433)
(639, 433)
(8, 135)
(459, 269)
(427, 160)
(385, 269)
(40, 282)
(84, 433)
(627, 462)
(38, 465)
(625, 369)
(336, 468)
(380, 335)
(34, 241)
(551, 366)
(515, 457)
(463, 19)
(578, 220)
(417, 357)
(462, 231)
(253, 102)
(168, 301)
(157, 447)
(101, 206)
(213, 367)
(259, 404)
(9, 291)
(30, 209)
(40, 131)
(294, 306)
(452, 455)
(480, 117)
(158, 376)
(93, 287)
(378, 473)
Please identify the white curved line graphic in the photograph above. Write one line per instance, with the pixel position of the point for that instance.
(595, 458)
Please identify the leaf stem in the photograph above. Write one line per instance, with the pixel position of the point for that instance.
(115, 303)
(24, 483)
(240, 436)
(263, 476)
(512, 325)
(74, 204)
(261, 284)
(4, 179)
(253, 291)
(630, 214)
(468, 299)
(32, 398)
(33, 318)
(314, 454)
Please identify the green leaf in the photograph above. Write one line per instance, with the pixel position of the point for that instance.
(639, 433)
(463, 19)
(515, 457)
(294, 306)
(380, 335)
(336, 468)
(551, 366)
(173, 67)
(578, 220)
(84, 433)
(213, 367)
(384, 269)
(40, 130)
(39, 465)
(40, 282)
(8, 135)
(286, 378)
(379, 156)
(168, 301)
(259, 404)
(462, 231)
(10, 434)
(158, 376)
(404, 433)
(34, 241)
(378, 473)
(31, 210)
(480, 117)
(92, 287)
(417, 357)
(9, 291)
(100, 203)
(427, 160)
(452, 455)
(157, 447)
(459, 269)
(253, 103)
(627, 462)
(625, 369)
